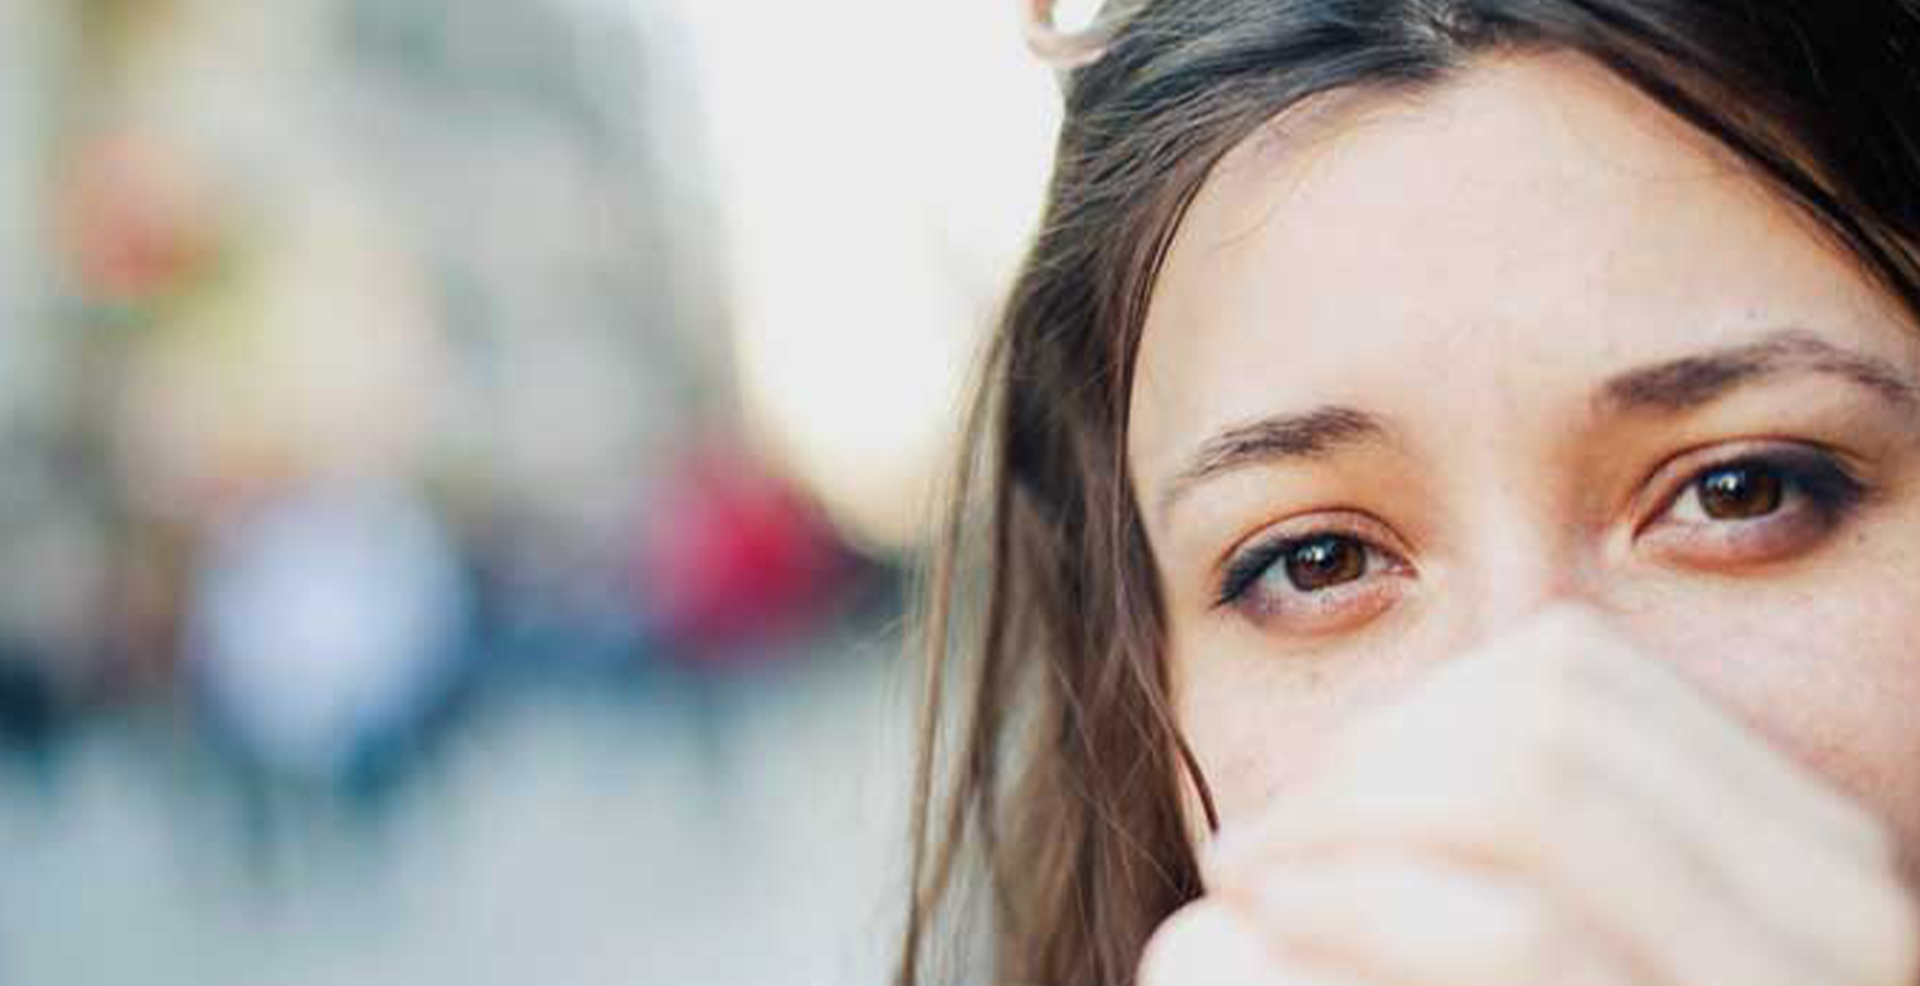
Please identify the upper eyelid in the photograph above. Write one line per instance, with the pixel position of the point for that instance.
(1793, 456)
(1275, 546)
(1669, 478)
(1306, 526)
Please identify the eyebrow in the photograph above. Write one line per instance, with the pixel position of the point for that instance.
(1695, 381)
(1670, 387)
(1279, 438)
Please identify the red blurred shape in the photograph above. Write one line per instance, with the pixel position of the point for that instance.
(733, 558)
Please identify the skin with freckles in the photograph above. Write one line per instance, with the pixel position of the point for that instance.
(1421, 368)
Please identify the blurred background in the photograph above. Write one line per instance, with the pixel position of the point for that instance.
(460, 462)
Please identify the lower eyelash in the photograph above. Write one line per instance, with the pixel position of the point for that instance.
(1342, 603)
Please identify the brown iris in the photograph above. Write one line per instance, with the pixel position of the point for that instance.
(1741, 491)
(1325, 562)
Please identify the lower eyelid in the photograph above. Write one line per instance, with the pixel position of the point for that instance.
(1347, 604)
(1746, 541)
(1371, 592)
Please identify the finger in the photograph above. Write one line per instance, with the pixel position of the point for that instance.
(1415, 921)
(1209, 944)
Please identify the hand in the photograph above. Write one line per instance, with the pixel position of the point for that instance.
(1555, 809)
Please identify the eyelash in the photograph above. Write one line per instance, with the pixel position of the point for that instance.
(1816, 480)
(1818, 489)
(1251, 565)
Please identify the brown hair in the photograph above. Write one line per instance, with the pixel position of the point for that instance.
(1058, 793)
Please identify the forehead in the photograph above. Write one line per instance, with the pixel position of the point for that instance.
(1501, 241)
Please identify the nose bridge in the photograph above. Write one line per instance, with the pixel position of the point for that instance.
(1521, 537)
(1518, 554)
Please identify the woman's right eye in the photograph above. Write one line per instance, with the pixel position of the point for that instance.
(1315, 582)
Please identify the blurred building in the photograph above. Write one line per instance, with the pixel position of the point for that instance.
(456, 458)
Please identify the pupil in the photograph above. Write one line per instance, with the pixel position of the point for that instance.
(1325, 563)
(1740, 492)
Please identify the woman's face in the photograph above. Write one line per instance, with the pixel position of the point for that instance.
(1417, 367)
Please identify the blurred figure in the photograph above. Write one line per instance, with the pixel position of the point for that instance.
(325, 628)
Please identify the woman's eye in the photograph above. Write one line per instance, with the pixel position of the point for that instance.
(1756, 509)
(1310, 583)
(1315, 563)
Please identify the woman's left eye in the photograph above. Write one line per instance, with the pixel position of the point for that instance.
(1756, 508)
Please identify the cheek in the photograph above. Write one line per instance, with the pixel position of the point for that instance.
(1258, 720)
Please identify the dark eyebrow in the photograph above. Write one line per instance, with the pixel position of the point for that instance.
(1305, 435)
(1695, 381)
